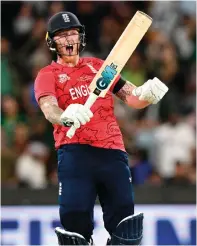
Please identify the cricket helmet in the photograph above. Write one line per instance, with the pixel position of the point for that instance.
(64, 21)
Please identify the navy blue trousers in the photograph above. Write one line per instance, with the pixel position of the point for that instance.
(85, 172)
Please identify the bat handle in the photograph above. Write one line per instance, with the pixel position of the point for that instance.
(90, 101)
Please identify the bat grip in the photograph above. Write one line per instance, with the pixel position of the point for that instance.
(90, 101)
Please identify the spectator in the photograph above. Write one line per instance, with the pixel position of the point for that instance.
(181, 175)
(24, 21)
(8, 158)
(11, 116)
(9, 77)
(155, 178)
(31, 166)
(135, 70)
(20, 137)
(23, 24)
(173, 141)
(28, 97)
(141, 167)
(55, 7)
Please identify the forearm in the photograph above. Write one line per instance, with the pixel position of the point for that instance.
(125, 94)
(50, 109)
(53, 113)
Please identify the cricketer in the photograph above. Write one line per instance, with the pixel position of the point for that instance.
(94, 161)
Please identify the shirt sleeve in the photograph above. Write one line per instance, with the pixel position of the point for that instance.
(99, 63)
(44, 85)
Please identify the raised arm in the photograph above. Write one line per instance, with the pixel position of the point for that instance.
(125, 94)
(151, 92)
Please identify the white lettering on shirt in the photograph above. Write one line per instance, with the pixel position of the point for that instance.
(80, 91)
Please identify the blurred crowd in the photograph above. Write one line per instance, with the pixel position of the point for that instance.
(159, 139)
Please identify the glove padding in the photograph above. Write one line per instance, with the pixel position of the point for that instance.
(152, 91)
(77, 115)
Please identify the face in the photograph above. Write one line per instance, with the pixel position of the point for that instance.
(9, 106)
(68, 42)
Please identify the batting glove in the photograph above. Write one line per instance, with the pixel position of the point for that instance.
(77, 115)
(152, 91)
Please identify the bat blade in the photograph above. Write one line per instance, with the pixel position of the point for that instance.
(120, 53)
(117, 59)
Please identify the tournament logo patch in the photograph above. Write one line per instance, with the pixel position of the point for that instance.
(63, 78)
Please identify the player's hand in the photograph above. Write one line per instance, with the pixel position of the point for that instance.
(152, 91)
(77, 115)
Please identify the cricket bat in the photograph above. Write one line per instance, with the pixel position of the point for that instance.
(117, 59)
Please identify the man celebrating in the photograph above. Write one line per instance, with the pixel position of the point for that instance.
(94, 161)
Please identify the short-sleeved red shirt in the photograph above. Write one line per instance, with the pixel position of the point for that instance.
(70, 85)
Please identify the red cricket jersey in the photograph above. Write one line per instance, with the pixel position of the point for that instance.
(70, 85)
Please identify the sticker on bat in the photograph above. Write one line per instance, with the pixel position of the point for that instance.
(107, 76)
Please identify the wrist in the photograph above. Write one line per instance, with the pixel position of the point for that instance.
(134, 101)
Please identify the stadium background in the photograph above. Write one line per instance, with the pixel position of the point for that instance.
(160, 139)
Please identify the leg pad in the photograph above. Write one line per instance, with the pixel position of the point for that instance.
(128, 231)
(69, 238)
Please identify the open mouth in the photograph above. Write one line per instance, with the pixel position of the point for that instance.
(69, 48)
